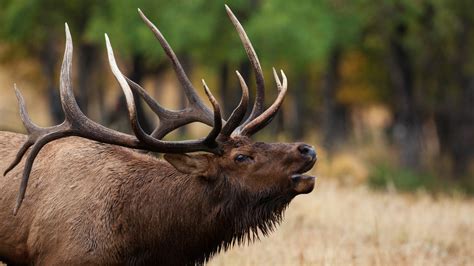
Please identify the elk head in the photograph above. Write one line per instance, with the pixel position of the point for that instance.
(255, 167)
(263, 170)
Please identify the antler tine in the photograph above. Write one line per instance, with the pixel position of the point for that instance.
(216, 130)
(267, 116)
(31, 128)
(132, 110)
(259, 104)
(29, 162)
(239, 112)
(195, 103)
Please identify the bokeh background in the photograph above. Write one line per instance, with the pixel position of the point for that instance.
(383, 89)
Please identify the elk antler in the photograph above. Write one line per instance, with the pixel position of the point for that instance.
(77, 124)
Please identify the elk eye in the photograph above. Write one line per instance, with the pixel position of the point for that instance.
(240, 158)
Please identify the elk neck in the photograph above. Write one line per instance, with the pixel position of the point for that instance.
(215, 214)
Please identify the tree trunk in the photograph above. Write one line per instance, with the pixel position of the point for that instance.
(299, 105)
(89, 79)
(186, 62)
(336, 115)
(224, 89)
(464, 141)
(407, 129)
(454, 117)
(137, 75)
(229, 86)
(245, 70)
(48, 59)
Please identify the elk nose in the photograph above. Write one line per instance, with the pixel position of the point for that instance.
(307, 150)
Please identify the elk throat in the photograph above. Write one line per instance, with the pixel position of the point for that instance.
(246, 216)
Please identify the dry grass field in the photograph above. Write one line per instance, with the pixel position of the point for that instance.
(337, 225)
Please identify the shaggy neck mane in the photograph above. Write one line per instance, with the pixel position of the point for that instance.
(220, 213)
(244, 216)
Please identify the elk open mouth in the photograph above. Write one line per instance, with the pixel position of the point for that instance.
(306, 167)
(301, 183)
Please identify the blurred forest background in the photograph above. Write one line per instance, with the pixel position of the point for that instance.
(383, 89)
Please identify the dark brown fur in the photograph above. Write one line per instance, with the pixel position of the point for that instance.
(96, 204)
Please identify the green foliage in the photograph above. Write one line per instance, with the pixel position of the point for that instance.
(130, 36)
(384, 176)
(29, 23)
(304, 32)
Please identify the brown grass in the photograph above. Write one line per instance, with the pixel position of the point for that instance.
(337, 225)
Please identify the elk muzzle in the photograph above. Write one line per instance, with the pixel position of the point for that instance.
(301, 183)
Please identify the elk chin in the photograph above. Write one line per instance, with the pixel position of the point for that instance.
(302, 184)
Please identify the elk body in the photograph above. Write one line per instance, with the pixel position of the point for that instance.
(94, 200)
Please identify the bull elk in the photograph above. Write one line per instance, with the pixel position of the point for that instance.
(93, 199)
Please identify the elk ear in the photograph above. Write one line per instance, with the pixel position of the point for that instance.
(195, 164)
